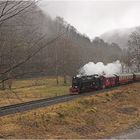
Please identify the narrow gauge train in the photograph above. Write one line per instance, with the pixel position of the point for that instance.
(95, 82)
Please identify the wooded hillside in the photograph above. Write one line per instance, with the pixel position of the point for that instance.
(33, 44)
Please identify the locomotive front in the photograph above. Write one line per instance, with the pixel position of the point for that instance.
(75, 89)
(85, 83)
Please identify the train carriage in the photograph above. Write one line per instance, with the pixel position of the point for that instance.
(109, 81)
(137, 76)
(125, 78)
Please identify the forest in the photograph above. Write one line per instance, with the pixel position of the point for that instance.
(33, 44)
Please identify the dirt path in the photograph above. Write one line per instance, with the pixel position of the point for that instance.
(132, 134)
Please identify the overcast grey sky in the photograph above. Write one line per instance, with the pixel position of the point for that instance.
(93, 18)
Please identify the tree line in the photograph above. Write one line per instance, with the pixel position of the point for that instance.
(33, 44)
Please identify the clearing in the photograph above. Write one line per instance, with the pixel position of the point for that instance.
(33, 89)
(96, 116)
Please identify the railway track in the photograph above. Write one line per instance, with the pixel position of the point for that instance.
(21, 107)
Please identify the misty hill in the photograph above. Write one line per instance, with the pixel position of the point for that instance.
(26, 33)
(119, 36)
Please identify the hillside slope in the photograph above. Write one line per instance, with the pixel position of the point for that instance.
(119, 36)
(98, 116)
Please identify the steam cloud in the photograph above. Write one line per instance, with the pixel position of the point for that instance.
(100, 68)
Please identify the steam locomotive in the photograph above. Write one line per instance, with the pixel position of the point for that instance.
(82, 84)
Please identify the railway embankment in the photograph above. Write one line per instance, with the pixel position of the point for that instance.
(96, 116)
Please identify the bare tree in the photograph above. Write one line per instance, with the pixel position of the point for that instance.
(134, 47)
(10, 9)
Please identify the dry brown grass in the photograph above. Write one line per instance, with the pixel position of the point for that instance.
(96, 116)
(33, 89)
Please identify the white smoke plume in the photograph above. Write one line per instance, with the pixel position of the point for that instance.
(100, 68)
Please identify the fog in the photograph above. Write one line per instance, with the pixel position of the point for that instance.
(93, 18)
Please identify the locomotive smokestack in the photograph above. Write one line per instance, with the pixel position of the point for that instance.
(100, 68)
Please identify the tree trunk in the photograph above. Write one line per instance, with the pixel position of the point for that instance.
(65, 79)
(56, 64)
(57, 80)
(3, 85)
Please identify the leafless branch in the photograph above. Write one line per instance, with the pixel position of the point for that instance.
(16, 9)
(33, 54)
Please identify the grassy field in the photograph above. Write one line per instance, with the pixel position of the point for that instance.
(96, 116)
(33, 89)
